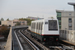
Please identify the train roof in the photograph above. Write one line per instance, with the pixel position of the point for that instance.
(41, 20)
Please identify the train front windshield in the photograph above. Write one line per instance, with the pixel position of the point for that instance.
(52, 25)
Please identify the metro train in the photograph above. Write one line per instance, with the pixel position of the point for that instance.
(45, 30)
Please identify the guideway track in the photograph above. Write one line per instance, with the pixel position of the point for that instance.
(21, 48)
(30, 43)
(41, 46)
(50, 47)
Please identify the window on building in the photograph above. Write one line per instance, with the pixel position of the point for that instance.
(23, 22)
(59, 23)
(58, 13)
(59, 18)
(70, 23)
(70, 28)
(14, 22)
(60, 26)
(70, 14)
(70, 20)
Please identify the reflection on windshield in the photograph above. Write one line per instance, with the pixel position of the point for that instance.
(52, 25)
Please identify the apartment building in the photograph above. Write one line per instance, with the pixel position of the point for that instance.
(66, 19)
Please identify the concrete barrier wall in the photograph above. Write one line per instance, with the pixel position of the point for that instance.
(69, 35)
(72, 36)
(9, 41)
(18, 27)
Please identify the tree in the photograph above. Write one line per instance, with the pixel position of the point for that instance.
(17, 24)
(4, 31)
(28, 20)
(8, 19)
(2, 19)
(9, 25)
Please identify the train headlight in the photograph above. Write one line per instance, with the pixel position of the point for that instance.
(56, 39)
(44, 39)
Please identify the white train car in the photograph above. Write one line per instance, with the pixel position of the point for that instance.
(46, 30)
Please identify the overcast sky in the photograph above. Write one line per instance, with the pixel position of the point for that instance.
(36, 8)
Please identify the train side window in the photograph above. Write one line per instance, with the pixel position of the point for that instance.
(39, 26)
(42, 25)
(34, 25)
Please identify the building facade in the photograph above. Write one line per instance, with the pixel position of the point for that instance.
(13, 22)
(67, 29)
(66, 19)
(7, 23)
(59, 17)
